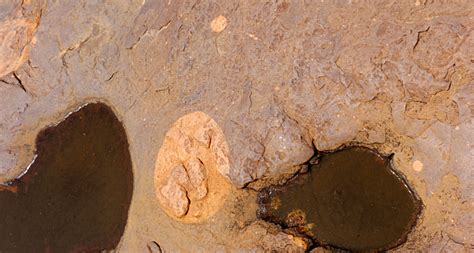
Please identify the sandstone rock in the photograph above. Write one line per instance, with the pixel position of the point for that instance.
(154, 247)
(326, 67)
(18, 24)
(218, 24)
(175, 197)
(263, 237)
(405, 125)
(462, 231)
(244, 164)
(11, 115)
(191, 169)
(435, 47)
(319, 250)
(285, 149)
(273, 153)
(464, 98)
(432, 149)
(8, 160)
(461, 157)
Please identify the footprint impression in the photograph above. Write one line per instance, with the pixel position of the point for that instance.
(191, 167)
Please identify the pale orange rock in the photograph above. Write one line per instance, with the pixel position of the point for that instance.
(175, 197)
(17, 34)
(218, 24)
(417, 166)
(192, 168)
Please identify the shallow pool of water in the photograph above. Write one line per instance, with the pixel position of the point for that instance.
(76, 194)
(350, 199)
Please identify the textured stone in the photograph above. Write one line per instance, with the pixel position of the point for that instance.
(273, 152)
(8, 161)
(432, 149)
(190, 168)
(285, 149)
(262, 237)
(18, 23)
(219, 24)
(406, 125)
(331, 73)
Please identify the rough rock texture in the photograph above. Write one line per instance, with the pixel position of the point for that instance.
(18, 23)
(392, 75)
(263, 237)
(190, 168)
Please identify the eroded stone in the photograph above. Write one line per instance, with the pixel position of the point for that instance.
(218, 24)
(191, 168)
(155, 59)
(17, 29)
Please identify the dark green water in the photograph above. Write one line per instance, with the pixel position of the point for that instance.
(76, 195)
(351, 199)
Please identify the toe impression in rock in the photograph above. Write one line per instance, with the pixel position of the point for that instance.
(191, 169)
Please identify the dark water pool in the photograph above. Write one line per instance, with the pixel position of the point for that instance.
(76, 194)
(351, 199)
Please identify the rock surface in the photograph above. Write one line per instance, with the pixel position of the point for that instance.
(395, 76)
(190, 168)
(18, 23)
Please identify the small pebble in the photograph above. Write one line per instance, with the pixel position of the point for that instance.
(218, 24)
(417, 166)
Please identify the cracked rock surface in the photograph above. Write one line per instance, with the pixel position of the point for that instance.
(276, 76)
